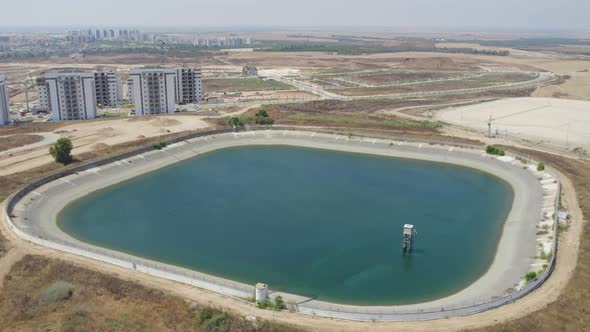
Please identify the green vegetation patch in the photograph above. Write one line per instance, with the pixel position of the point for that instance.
(494, 151)
(343, 120)
(276, 304)
(244, 84)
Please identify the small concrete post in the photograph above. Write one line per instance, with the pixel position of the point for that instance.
(261, 292)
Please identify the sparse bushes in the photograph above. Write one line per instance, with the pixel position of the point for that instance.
(235, 122)
(61, 150)
(58, 291)
(276, 304)
(160, 146)
(530, 276)
(540, 167)
(494, 151)
(260, 118)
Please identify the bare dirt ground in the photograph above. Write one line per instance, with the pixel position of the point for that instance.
(559, 122)
(561, 304)
(90, 135)
(11, 142)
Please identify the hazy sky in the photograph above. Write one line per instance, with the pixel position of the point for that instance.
(532, 14)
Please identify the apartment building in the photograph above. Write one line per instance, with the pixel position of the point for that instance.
(189, 85)
(71, 95)
(153, 90)
(42, 95)
(4, 103)
(107, 87)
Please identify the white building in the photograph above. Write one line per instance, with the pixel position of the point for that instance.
(154, 90)
(107, 88)
(71, 95)
(4, 103)
(189, 85)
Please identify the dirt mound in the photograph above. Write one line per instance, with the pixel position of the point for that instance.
(16, 141)
(165, 122)
(140, 118)
(100, 146)
(429, 63)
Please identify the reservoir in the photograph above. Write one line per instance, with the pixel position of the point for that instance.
(311, 222)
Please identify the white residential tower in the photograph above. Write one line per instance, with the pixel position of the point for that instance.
(153, 90)
(71, 95)
(4, 103)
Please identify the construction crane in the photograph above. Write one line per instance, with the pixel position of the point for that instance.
(163, 51)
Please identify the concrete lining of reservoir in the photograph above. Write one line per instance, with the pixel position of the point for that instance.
(33, 216)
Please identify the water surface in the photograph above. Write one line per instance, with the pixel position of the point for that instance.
(311, 222)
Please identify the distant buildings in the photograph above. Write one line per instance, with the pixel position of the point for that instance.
(222, 42)
(250, 71)
(85, 36)
(189, 86)
(153, 90)
(4, 103)
(108, 88)
(71, 95)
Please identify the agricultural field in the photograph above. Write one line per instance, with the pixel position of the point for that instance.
(485, 80)
(243, 84)
(407, 76)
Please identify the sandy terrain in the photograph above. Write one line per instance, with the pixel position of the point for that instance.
(90, 135)
(550, 121)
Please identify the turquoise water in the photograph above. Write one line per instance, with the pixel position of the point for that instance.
(311, 222)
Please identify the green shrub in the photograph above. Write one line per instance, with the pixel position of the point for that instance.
(61, 150)
(530, 276)
(235, 122)
(279, 304)
(562, 227)
(215, 323)
(540, 167)
(58, 291)
(490, 149)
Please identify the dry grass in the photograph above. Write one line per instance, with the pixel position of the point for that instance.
(101, 302)
(31, 128)
(243, 84)
(16, 141)
(467, 83)
(571, 311)
(399, 76)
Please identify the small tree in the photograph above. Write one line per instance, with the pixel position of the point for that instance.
(530, 276)
(279, 303)
(262, 113)
(540, 167)
(235, 122)
(61, 150)
(262, 118)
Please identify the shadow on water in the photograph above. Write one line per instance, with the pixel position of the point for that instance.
(408, 258)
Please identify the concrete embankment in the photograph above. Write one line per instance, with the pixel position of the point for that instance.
(34, 216)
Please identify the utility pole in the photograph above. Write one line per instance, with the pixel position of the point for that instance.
(490, 126)
(567, 135)
(27, 86)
